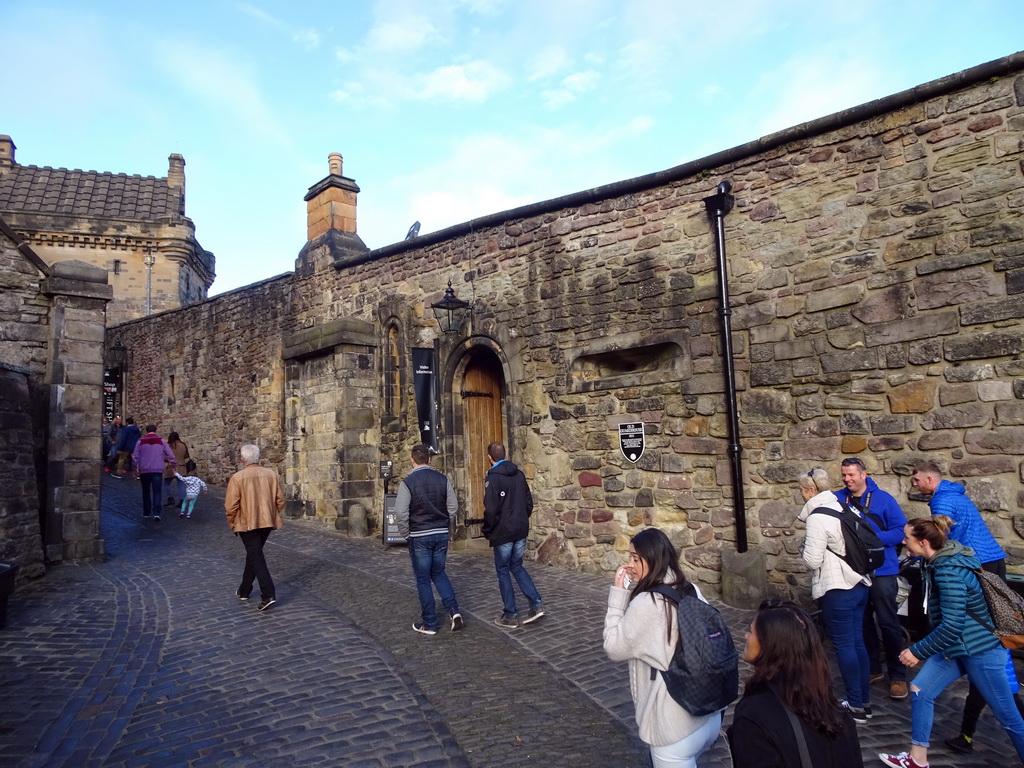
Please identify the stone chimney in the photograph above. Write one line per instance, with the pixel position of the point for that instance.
(331, 238)
(176, 179)
(331, 204)
(6, 152)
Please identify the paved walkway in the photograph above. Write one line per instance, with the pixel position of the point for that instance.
(149, 660)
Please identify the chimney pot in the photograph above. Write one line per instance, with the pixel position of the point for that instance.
(334, 163)
(6, 151)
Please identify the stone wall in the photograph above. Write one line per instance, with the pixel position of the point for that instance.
(52, 327)
(877, 277)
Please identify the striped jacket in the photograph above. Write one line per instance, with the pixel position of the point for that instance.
(953, 594)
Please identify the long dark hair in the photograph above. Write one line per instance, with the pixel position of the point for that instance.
(792, 661)
(656, 550)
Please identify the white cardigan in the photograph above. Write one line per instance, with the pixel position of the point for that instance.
(823, 540)
(635, 632)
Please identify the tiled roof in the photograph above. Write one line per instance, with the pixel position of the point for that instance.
(58, 191)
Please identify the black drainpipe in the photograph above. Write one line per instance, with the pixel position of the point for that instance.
(718, 206)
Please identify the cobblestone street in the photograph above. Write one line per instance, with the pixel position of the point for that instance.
(149, 660)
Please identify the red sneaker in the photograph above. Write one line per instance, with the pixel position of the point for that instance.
(902, 760)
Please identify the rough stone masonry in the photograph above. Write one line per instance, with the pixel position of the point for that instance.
(876, 262)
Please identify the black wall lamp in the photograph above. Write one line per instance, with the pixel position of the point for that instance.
(450, 311)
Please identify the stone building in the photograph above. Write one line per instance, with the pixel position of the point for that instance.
(133, 227)
(52, 329)
(876, 273)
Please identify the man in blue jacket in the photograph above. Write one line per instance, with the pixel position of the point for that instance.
(969, 529)
(126, 441)
(885, 515)
(508, 505)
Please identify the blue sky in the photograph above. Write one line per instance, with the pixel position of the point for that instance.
(449, 109)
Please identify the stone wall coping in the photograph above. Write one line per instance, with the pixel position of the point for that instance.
(327, 336)
(73, 269)
(334, 180)
(64, 286)
(813, 128)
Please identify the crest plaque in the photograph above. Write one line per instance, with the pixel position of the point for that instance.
(631, 440)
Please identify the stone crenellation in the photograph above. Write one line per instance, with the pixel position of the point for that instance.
(877, 281)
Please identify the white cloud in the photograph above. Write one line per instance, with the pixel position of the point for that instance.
(548, 62)
(807, 88)
(307, 37)
(405, 36)
(572, 87)
(473, 82)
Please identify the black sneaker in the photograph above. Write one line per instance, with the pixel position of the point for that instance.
(535, 613)
(961, 743)
(240, 596)
(156, 518)
(859, 714)
(266, 604)
(457, 622)
(507, 622)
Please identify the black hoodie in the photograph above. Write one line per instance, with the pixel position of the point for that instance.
(508, 504)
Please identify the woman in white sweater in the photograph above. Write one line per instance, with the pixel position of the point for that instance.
(640, 627)
(841, 592)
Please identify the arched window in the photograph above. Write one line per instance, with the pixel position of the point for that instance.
(392, 375)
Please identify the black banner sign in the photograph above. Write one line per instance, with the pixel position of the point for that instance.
(631, 440)
(425, 385)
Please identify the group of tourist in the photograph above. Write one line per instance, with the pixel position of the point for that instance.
(789, 715)
(158, 464)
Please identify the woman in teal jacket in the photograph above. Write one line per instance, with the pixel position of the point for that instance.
(959, 643)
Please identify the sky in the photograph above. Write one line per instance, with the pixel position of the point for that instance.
(444, 110)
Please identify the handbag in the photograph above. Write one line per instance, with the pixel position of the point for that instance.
(190, 466)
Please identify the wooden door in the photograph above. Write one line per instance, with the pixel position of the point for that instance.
(482, 407)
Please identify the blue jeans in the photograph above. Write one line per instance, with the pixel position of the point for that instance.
(985, 670)
(428, 555)
(508, 562)
(882, 608)
(843, 612)
(151, 485)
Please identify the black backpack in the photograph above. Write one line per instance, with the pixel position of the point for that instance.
(704, 675)
(864, 550)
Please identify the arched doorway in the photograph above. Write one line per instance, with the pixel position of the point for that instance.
(482, 394)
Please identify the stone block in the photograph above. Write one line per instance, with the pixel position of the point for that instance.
(925, 352)
(846, 401)
(966, 372)
(1004, 440)
(953, 394)
(992, 391)
(766, 406)
(913, 329)
(1009, 414)
(945, 289)
(893, 425)
(885, 306)
(703, 446)
(852, 444)
(838, 296)
(812, 448)
(885, 444)
(815, 428)
(982, 466)
(1008, 308)
(913, 397)
(984, 345)
(957, 416)
(852, 360)
(933, 441)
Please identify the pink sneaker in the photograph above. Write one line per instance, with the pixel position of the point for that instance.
(902, 760)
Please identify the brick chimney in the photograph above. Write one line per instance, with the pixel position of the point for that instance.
(331, 238)
(6, 152)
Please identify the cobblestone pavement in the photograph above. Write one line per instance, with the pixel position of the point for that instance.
(148, 659)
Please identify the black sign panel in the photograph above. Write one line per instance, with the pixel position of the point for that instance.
(631, 440)
(390, 532)
(425, 386)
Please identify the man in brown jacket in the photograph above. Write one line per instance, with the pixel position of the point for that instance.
(253, 503)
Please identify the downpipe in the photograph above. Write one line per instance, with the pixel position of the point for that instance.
(717, 207)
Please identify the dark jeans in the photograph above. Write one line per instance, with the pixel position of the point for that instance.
(152, 482)
(428, 555)
(843, 612)
(256, 564)
(882, 607)
(508, 563)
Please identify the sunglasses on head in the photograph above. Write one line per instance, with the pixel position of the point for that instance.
(854, 462)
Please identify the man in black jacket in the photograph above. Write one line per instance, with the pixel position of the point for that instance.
(424, 511)
(508, 505)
